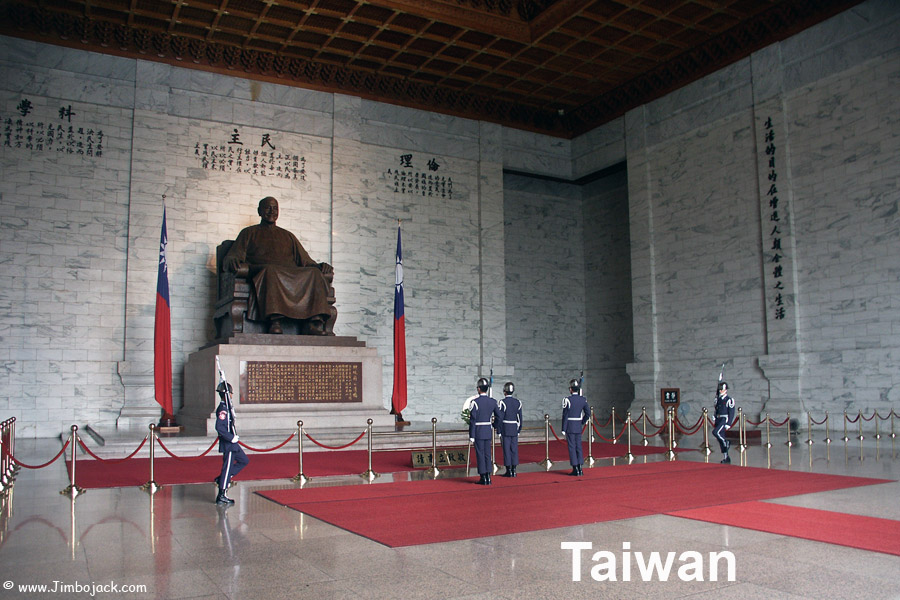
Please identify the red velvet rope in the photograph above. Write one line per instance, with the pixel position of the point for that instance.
(851, 420)
(870, 418)
(690, 430)
(110, 460)
(335, 447)
(48, 463)
(822, 422)
(652, 424)
(754, 423)
(778, 424)
(169, 452)
(883, 418)
(607, 421)
(290, 437)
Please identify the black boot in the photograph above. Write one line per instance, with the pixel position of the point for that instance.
(580, 471)
(508, 472)
(726, 460)
(483, 479)
(574, 470)
(488, 478)
(514, 473)
(223, 499)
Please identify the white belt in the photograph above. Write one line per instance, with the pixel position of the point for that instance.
(574, 418)
(483, 423)
(514, 422)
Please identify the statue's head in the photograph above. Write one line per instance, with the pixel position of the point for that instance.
(268, 209)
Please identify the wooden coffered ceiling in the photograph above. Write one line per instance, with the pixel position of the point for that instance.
(560, 67)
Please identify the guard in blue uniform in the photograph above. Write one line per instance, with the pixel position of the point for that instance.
(509, 424)
(724, 415)
(233, 457)
(483, 409)
(575, 414)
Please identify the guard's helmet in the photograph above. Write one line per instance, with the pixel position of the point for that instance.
(222, 387)
(723, 386)
(574, 385)
(508, 388)
(483, 384)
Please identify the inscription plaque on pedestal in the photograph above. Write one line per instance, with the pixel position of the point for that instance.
(275, 382)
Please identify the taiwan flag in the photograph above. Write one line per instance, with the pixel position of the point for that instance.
(398, 398)
(162, 331)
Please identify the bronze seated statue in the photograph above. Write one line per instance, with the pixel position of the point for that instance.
(267, 283)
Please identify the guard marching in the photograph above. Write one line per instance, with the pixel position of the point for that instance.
(724, 419)
(233, 456)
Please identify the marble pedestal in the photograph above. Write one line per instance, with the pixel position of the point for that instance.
(200, 380)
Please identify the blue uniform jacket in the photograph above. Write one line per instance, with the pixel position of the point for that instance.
(225, 428)
(509, 419)
(482, 409)
(725, 407)
(575, 414)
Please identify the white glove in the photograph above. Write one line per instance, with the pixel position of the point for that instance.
(235, 439)
(471, 440)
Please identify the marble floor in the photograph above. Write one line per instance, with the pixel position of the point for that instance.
(126, 543)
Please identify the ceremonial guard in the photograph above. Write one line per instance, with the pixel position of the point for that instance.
(509, 424)
(724, 415)
(233, 457)
(575, 414)
(483, 408)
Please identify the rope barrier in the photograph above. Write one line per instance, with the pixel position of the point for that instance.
(281, 445)
(187, 458)
(111, 460)
(874, 414)
(858, 415)
(690, 430)
(334, 447)
(822, 422)
(46, 464)
(779, 424)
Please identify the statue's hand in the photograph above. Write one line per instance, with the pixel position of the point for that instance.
(326, 268)
(233, 265)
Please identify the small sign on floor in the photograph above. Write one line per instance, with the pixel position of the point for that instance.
(451, 457)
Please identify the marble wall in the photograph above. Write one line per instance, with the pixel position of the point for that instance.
(646, 278)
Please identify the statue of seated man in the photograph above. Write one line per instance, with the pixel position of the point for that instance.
(286, 281)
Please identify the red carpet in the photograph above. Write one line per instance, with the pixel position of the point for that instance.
(90, 473)
(424, 512)
(865, 533)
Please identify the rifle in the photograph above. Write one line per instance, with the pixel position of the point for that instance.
(224, 388)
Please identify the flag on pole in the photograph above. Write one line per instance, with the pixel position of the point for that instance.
(398, 398)
(162, 330)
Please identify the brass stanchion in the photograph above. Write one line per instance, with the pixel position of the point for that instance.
(645, 441)
(877, 435)
(72, 490)
(827, 437)
(789, 443)
(859, 421)
(151, 487)
(809, 440)
(300, 477)
(628, 454)
(705, 447)
(768, 445)
(369, 475)
(546, 463)
(589, 461)
(742, 431)
(845, 438)
(612, 423)
(433, 471)
(671, 431)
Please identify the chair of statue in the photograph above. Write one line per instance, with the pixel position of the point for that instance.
(233, 297)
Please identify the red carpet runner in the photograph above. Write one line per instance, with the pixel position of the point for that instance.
(865, 533)
(283, 465)
(424, 512)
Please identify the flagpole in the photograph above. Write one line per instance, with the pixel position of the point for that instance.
(162, 337)
(398, 396)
